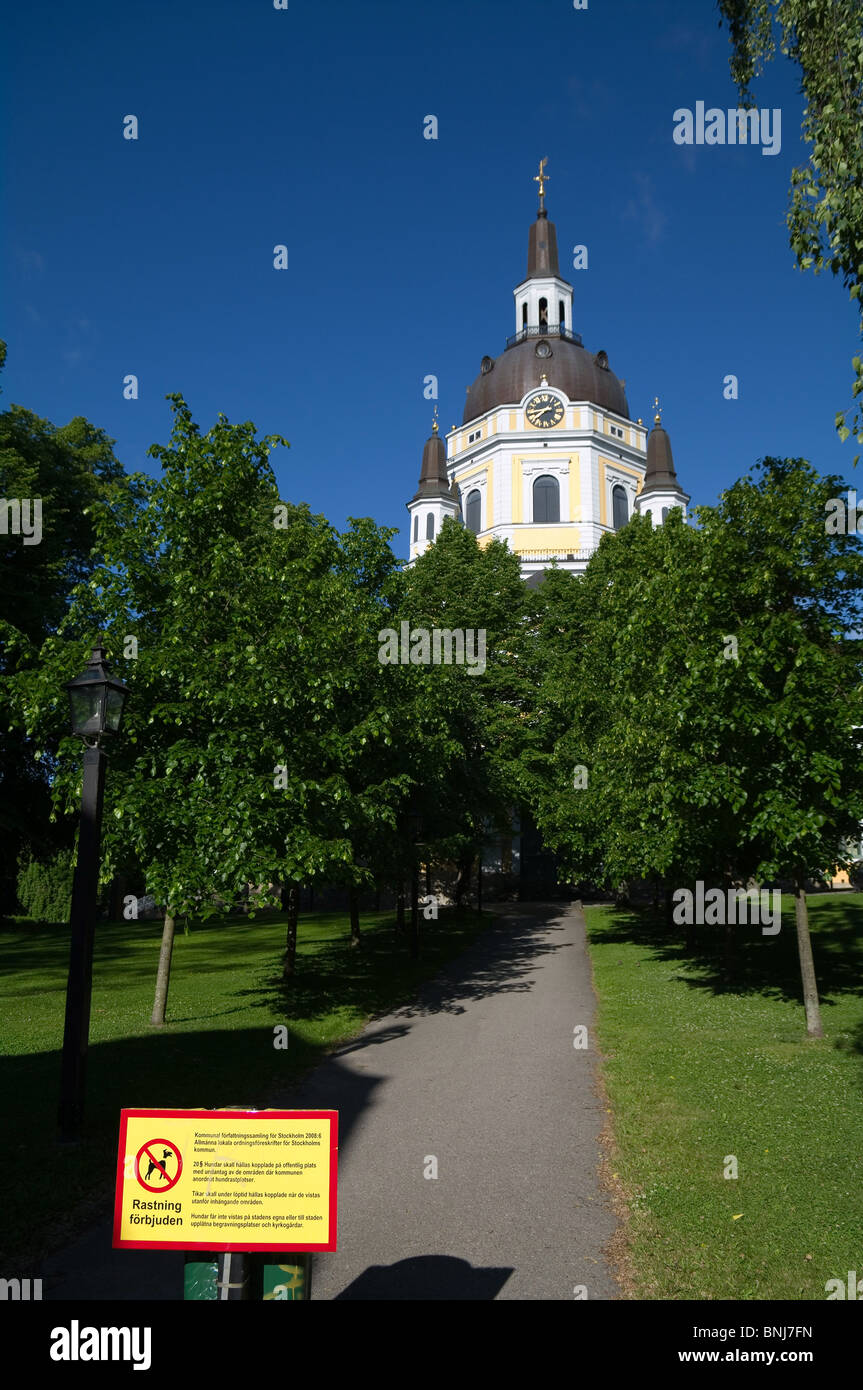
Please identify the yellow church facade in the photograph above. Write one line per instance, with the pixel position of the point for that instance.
(547, 456)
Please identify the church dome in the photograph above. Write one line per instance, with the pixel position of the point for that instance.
(581, 375)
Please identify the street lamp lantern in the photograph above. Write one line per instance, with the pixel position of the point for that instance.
(96, 699)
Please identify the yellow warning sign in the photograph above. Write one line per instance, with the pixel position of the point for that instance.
(226, 1180)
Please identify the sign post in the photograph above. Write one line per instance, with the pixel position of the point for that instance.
(230, 1182)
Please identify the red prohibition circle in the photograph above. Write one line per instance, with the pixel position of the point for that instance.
(145, 1149)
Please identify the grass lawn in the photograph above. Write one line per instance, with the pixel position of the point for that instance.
(226, 996)
(699, 1067)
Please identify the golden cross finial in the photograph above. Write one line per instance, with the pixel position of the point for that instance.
(434, 422)
(657, 419)
(542, 179)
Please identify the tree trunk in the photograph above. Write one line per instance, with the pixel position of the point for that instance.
(479, 882)
(730, 933)
(463, 879)
(729, 951)
(119, 885)
(415, 912)
(400, 909)
(690, 939)
(163, 975)
(291, 904)
(355, 916)
(807, 965)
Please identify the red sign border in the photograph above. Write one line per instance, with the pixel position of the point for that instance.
(156, 1244)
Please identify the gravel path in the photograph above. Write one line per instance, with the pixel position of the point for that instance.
(480, 1075)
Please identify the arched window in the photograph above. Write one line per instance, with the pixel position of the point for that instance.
(546, 499)
(473, 512)
(430, 526)
(620, 506)
(543, 311)
(524, 315)
(664, 513)
(561, 313)
(416, 525)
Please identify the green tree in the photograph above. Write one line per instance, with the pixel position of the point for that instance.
(787, 710)
(825, 214)
(242, 768)
(475, 777)
(709, 683)
(69, 468)
(606, 789)
(365, 740)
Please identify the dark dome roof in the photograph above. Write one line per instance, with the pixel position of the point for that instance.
(572, 369)
(434, 481)
(660, 474)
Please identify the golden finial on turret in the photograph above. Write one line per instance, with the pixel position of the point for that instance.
(542, 179)
(657, 419)
(434, 421)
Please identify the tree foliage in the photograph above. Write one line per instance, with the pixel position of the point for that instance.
(45, 888)
(475, 779)
(825, 214)
(70, 468)
(250, 701)
(709, 683)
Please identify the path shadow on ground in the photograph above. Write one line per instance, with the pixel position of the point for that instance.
(220, 1068)
(758, 964)
(501, 960)
(426, 1277)
(213, 1069)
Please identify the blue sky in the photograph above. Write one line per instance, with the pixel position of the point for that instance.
(305, 127)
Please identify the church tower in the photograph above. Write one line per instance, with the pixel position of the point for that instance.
(661, 491)
(546, 457)
(434, 498)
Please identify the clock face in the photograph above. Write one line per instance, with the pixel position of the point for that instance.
(544, 410)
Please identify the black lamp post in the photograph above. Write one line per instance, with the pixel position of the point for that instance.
(97, 699)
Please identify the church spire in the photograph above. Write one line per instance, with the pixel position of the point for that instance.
(661, 490)
(435, 498)
(434, 481)
(542, 258)
(543, 300)
(660, 474)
